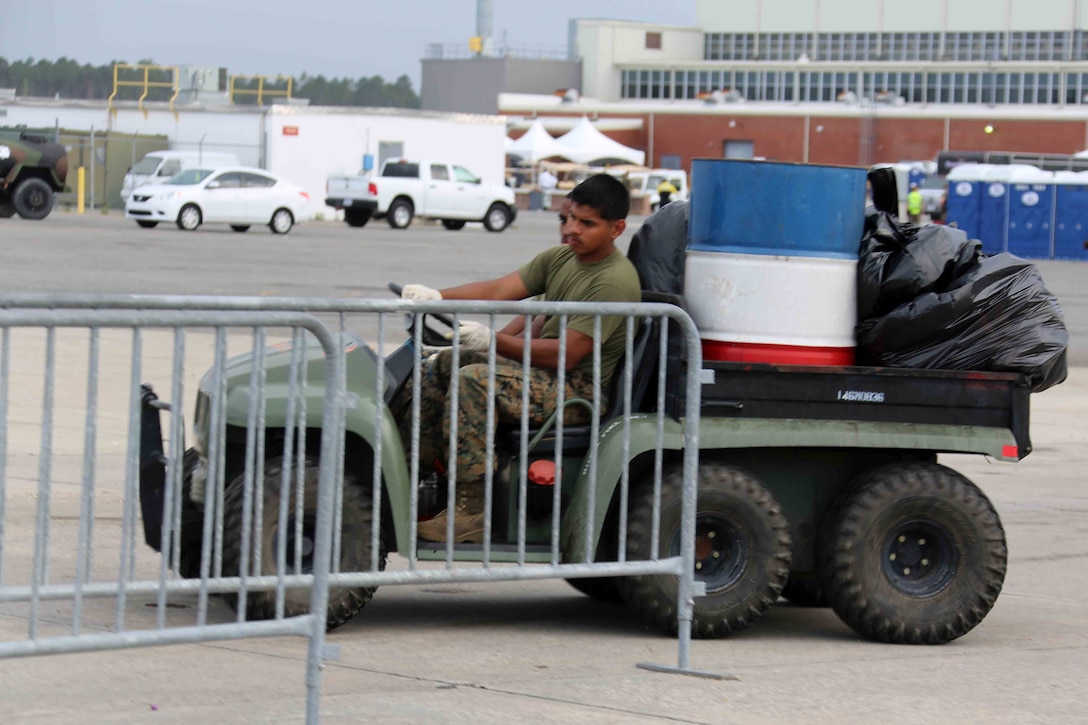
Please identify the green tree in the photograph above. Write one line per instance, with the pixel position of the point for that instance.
(66, 78)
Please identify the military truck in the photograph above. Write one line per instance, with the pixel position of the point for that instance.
(32, 170)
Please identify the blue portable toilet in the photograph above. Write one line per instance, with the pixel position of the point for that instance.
(1031, 213)
(964, 197)
(915, 175)
(994, 206)
(1071, 215)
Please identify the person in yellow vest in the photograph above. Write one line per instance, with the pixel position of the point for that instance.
(665, 190)
(914, 205)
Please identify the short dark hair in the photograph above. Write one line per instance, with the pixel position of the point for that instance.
(606, 194)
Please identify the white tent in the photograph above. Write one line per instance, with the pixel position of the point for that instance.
(587, 144)
(537, 144)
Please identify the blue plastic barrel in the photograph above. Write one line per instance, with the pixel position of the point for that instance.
(761, 207)
(771, 268)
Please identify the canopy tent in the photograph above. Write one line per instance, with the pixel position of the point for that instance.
(586, 144)
(537, 144)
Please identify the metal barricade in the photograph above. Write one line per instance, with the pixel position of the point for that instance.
(248, 513)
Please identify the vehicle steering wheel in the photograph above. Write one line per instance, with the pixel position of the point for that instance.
(430, 336)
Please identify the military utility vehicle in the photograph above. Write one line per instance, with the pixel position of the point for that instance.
(818, 483)
(32, 170)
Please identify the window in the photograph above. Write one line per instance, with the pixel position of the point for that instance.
(232, 180)
(258, 181)
(653, 41)
(401, 169)
(439, 172)
(464, 175)
(170, 167)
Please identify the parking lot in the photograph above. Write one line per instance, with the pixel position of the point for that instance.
(539, 651)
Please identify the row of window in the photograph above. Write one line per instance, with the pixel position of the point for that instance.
(947, 87)
(928, 46)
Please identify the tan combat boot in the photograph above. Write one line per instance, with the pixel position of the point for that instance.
(468, 517)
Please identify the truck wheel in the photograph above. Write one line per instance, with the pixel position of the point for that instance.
(742, 551)
(453, 224)
(400, 214)
(356, 217)
(282, 221)
(914, 554)
(33, 199)
(192, 521)
(803, 589)
(146, 224)
(498, 217)
(189, 218)
(356, 522)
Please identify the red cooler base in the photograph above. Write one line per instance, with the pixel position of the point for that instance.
(776, 354)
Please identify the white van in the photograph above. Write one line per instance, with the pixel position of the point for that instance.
(645, 183)
(158, 166)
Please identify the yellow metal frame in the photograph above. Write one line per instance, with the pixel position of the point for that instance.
(260, 92)
(147, 84)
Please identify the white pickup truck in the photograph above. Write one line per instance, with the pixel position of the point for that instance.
(431, 189)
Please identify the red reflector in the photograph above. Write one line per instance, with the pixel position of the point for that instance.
(1010, 452)
(542, 473)
(372, 189)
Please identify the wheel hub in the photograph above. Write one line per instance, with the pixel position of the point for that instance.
(721, 552)
(305, 564)
(920, 558)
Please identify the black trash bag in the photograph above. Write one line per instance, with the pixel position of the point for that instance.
(997, 317)
(659, 248)
(899, 262)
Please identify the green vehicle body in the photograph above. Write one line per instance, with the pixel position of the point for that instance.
(804, 463)
(32, 170)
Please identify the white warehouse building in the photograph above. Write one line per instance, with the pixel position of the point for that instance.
(921, 51)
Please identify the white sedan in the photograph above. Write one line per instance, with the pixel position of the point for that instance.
(239, 197)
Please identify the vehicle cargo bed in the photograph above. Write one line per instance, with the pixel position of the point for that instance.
(897, 395)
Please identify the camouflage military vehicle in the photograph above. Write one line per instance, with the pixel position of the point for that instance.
(32, 170)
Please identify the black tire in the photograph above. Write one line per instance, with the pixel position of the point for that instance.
(281, 222)
(803, 589)
(601, 588)
(497, 217)
(33, 199)
(356, 217)
(146, 224)
(190, 217)
(453, 224)
(192, 521)
(743, 551)
(914, 554)
(240, 227)
(344, 602)
(400, 214)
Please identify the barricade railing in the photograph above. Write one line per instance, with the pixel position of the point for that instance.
(230, 513)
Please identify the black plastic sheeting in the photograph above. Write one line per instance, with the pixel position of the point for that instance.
(659, 248)
(929, 298)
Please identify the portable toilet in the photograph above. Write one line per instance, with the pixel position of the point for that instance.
(1071, 215)
(1031, 213)
(771, 263)
(964, 197)
(993, 224)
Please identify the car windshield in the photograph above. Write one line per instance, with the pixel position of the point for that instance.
(189, 177)
(146, 165)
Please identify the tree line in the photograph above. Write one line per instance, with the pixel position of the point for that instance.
(66, 78)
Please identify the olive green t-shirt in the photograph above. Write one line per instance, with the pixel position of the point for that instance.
(558, 275)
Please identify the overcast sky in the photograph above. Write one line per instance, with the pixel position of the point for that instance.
(352, 38)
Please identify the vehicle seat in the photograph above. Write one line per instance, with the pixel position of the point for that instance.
(577, 438)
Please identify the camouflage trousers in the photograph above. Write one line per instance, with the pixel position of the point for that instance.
(472, 375)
